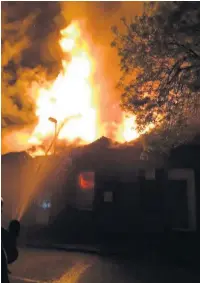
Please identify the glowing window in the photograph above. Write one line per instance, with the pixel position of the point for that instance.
(86, 180)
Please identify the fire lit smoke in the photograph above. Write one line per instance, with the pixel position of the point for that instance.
(82, 96)
(72, 99)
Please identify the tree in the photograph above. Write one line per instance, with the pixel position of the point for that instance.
(160, 62)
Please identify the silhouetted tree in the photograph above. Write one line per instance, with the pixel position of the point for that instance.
(160, 64)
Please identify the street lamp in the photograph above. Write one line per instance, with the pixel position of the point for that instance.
(53, 120)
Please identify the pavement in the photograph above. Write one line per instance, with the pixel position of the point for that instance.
(66, 247)
(172, 254)
(179, 252)
(53, 266)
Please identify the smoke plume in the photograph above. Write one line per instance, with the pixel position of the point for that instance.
(31, 53)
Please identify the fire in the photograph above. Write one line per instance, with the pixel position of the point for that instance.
(126, 131)
(129, 129)
(70, 100)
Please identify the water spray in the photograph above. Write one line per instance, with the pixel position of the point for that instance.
(38, 173)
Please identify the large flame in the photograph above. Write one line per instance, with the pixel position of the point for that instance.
(69, 101)
(129, 131)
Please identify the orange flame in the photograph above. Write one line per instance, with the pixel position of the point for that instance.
(129, 131)
(70, 99)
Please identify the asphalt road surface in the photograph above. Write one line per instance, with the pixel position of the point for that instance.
(47, 266)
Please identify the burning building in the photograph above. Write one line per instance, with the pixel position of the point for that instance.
(68, 111)
(110, 183)
(73, 100)
(88, 174)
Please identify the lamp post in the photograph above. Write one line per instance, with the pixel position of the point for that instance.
(53, 120)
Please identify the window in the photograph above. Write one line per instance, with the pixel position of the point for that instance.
(86, 180)
(108, 196)
(85, 190)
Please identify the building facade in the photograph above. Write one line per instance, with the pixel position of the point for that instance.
(113, 190)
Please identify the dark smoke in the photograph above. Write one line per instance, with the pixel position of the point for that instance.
(30, 52)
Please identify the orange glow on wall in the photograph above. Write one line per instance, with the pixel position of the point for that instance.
(86, 180)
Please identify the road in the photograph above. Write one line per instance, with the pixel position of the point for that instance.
(47, 266)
